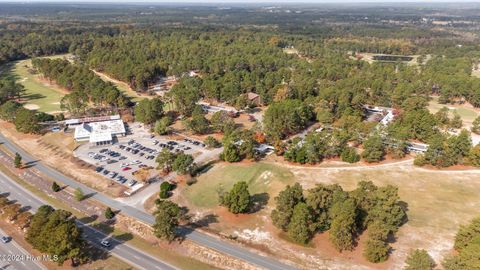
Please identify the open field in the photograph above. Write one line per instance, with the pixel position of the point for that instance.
(40, 94)
(261, 178)
(466, 111)
(438, 202)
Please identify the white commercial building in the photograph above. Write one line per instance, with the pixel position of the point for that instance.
(97, 130)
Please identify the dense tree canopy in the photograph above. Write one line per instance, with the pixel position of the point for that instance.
(344, 214)
(54, 232)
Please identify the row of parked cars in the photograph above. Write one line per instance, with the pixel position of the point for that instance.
(138, 149)
(173, 146)
(103, 156)
(115, 176)
(197, 143)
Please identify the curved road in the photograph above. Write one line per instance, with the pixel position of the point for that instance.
(198, 237)
(131, 255)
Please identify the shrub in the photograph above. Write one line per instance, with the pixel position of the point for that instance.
(211, 142)
(419, 259)
(109, 214)
(78, 194)
(350, 155)
(55, 187)
(165, 189)
(420, 160)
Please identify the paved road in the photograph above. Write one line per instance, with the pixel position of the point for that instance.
(198, 237)
(125, 252)
(10, 257)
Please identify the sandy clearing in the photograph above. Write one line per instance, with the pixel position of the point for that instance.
(31, 106)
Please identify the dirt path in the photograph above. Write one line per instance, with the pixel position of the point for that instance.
(122, 86)
(336, 168)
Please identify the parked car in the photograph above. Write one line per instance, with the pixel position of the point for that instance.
(6, 239)
(135, 162)
(126, 169)
(99, 169)
(132, 183)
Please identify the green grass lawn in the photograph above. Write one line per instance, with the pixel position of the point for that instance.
(467, 114)
(38, 95)
(261, 178)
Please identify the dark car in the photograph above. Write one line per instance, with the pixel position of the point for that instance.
(6, 239)
(99, 169)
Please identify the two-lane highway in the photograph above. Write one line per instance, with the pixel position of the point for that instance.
(198, 237)
(133, 256)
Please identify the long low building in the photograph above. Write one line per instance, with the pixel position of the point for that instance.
(101, 130)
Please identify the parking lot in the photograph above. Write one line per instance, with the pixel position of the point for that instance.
(123, 159)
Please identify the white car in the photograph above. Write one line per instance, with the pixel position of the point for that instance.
(104, 158)
(91, 154)
(105, 243)
(124, 165)
(135, 162)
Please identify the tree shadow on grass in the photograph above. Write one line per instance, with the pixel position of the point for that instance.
(258, 202)
(104, 228)
(30, 164)
(124, 237)
(205, 221)
(87, 220)
(204, 168)
(32, 97)
(87, 196)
